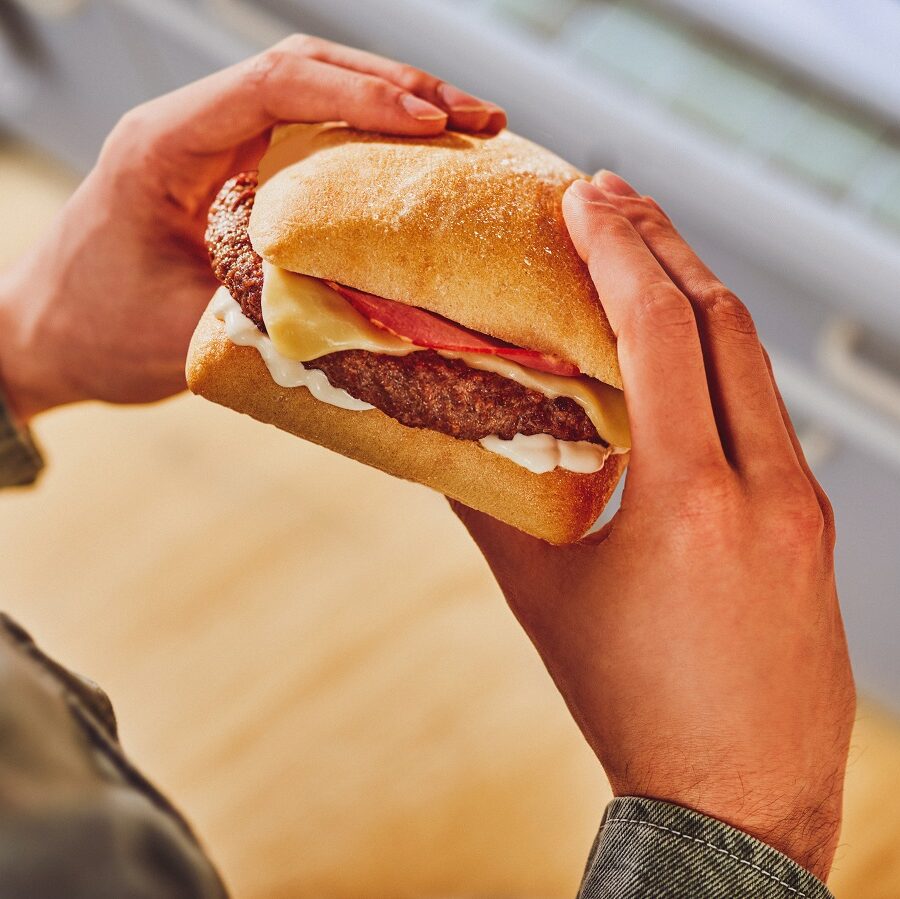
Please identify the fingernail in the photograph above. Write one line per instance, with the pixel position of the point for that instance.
(460, 101)
(421, 109)
(587, 192)
(497, 121)
(611, 183)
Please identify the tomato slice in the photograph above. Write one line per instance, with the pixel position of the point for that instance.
(426, 329)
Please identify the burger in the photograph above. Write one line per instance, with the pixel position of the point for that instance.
(417, 304)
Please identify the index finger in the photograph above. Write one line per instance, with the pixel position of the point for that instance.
(466, 112)
(238, 104)
(742, 389)
(660, 356)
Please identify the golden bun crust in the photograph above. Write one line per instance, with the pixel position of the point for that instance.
(468, 227)
(558, 506)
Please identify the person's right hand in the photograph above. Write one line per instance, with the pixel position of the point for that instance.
(104, 307)
(697, 639)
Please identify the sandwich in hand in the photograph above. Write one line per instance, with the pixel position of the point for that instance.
(418, 305)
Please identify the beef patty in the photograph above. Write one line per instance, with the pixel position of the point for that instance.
(420, 390)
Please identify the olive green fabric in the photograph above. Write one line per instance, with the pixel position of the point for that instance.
(20, 459)
(77, 820)
(648, 849)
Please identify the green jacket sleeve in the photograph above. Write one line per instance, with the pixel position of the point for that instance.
(77, 820)
(647, 849)
(20, 459)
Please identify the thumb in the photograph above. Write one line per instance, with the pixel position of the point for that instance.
(502, 545)
(527, 569)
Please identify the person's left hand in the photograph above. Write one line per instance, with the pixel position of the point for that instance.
(697, 638)
(104, 307)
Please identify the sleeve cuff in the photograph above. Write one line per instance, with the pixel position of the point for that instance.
(648, 848)
(20, 459)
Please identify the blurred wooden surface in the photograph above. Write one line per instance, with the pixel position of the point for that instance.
(313, 661)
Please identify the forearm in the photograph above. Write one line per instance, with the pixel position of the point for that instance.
(647, 849)
(37, 337)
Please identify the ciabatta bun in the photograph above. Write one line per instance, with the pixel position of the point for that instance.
(465, 226)
(558, 506)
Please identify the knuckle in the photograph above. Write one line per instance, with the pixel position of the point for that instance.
(664, 308)
(708, 502)
(648, 217)
(708, 495)
(657, 209)
(827, 511)
(415, 80)
(716, 477)
(713, 483)
(829, 534)
(132, 144)
(796, 517)
(261, 68)
(722, 309)
(136, 121)
(610, 225)
(302, 45)
(382, 92)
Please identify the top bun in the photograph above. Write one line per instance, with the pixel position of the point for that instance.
(468, 227)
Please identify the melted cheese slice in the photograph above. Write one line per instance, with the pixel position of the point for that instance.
(306, 319)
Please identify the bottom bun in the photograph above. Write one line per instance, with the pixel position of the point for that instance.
(559, 506)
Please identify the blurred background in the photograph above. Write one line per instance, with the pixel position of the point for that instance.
(309, 656)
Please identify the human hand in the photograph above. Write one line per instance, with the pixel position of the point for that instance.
(105, 306)
(697, 639)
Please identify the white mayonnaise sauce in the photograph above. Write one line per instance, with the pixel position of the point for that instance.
(285, 372)
(539, 453)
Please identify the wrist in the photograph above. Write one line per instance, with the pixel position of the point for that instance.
(805, 829)
(806, 833)
(26, 368)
